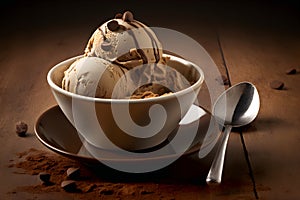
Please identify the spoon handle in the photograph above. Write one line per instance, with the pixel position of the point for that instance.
(215, 172)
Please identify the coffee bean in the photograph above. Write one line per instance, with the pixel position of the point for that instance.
(277, 85)
(113, 25)
(21, 128)
(118, 16)
(45, 177)
(73, 173)
(291, 71)
(69, 186)
(128, 16)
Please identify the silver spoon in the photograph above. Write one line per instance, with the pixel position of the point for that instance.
(237, 106)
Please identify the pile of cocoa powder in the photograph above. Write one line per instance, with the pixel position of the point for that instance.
(92, 182)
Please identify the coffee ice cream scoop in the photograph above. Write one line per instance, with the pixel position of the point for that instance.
(123, 59)
(94, 77)
(125, 41)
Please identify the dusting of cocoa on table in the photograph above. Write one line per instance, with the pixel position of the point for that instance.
(88, 185)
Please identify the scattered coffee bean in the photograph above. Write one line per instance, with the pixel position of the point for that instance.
(69, 186)
(291, 71)
(277, 85)
(45, 177)
(128, 16)
(73, 173)
(118, 16)
(223, 80)
(113, 25)
(21, 129)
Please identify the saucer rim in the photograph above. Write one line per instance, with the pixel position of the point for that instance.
(90, 159)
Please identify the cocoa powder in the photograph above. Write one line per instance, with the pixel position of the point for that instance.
(89, 185)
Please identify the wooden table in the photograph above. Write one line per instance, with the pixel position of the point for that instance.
(254, 42)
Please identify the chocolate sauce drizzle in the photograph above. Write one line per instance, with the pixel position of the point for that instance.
(153, 41)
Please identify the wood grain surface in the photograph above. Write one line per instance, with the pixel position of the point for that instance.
(254, 41)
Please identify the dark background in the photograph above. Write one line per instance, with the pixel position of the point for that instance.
(28, 17)
(51, 31)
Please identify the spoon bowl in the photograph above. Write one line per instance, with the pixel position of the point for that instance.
(235, 107)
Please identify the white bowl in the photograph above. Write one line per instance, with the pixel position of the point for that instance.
(131, 124)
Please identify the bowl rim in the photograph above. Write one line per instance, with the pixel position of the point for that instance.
(107, 100)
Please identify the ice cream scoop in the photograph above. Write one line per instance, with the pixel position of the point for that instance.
(125, 41)
(93, 76)
(96, 77)
(123, 59)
